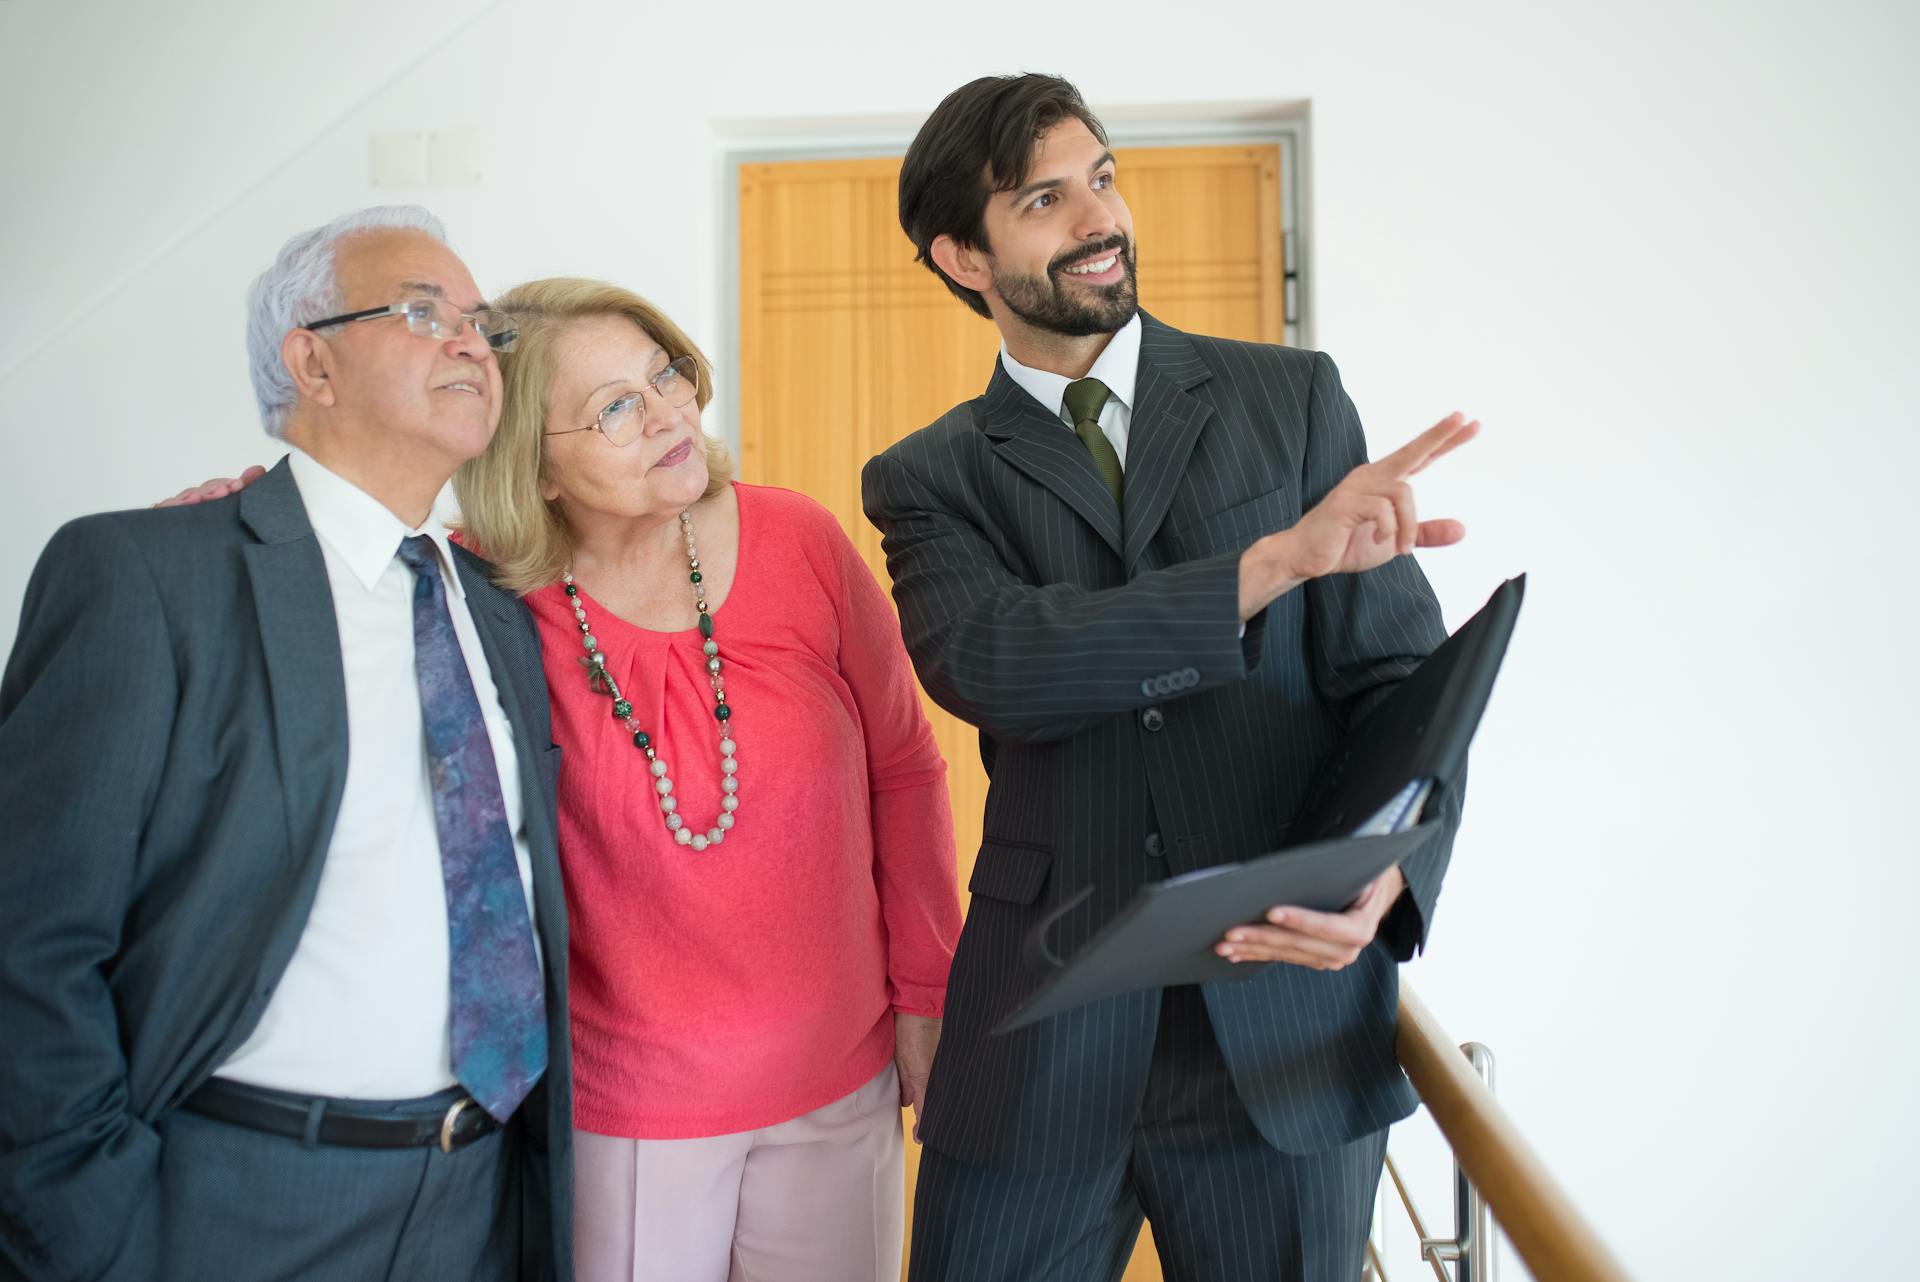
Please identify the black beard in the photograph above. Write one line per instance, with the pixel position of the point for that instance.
(1043, 303)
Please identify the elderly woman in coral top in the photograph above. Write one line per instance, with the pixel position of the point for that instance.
(753, 816)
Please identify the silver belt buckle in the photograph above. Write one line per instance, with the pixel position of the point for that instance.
(446, 1126)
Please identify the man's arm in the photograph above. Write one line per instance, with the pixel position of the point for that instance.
(86, 708)
(1033, 664)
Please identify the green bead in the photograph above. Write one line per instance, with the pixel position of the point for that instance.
(572, 591)
(723, 712)
(640, 739)
(706, 624)
(622, 709)
(695, 576)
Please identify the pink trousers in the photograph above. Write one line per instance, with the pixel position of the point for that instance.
(818, 1199)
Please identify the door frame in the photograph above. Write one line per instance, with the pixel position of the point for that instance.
(762, 140)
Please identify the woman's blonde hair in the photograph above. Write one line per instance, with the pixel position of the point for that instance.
(501, 510)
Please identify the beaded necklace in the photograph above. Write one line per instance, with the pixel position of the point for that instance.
(600, 679)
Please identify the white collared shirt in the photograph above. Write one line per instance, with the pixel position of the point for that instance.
(363, 1008)
(1118, 366)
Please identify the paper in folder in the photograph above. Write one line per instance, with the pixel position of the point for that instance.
(1362, 817)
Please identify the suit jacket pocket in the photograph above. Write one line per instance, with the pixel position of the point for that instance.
(1232, 529)
(1010, 871)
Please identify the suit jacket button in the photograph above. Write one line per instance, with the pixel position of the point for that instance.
(1152, 719)
(1146, 688)
(1192, 676)
(1155, 849)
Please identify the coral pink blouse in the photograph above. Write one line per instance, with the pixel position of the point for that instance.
(755, 981)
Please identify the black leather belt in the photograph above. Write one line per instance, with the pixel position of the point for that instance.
(346, 1123)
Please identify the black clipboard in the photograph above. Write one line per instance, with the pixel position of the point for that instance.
(1166, 934)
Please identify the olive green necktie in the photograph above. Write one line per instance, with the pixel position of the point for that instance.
(1084, 401)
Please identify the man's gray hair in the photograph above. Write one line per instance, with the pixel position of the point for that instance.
(300, 288)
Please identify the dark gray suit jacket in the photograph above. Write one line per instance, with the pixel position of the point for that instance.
(1131, 734)
(173, 748)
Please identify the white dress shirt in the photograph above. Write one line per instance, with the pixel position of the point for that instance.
(1118, 366)
(363, 1008)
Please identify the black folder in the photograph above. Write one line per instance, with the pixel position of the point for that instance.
(1420, 732)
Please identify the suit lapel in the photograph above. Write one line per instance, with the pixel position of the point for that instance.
(497, 619)
(493, 619)
(1167, 420)
(307, 685)
(1040, 445)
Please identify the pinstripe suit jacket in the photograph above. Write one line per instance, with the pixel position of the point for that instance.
(1132, 734)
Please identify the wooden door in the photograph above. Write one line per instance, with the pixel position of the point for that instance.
(847, 344)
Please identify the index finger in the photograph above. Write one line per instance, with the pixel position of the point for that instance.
(1437, 441)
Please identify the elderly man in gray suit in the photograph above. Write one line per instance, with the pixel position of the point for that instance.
(282, 935)
(1158, 573)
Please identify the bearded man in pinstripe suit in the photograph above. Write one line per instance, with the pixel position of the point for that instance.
(1159, 574)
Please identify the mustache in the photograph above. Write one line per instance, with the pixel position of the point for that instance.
(1074, 257)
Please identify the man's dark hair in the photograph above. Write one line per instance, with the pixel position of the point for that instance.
(985, 129)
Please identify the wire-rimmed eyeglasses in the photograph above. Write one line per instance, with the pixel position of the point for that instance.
(621, 421)
(437, 318)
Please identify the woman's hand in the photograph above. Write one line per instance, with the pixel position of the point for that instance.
(915, 1038)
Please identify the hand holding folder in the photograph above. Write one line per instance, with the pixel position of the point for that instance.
(1362, 818)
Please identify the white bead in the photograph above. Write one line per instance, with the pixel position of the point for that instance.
(674, 822)
(726, 747)
(663, 785)
(715, 836)
(682, 836)
(728, 765)
(669, 804)
(724, 821)
(713, 665)
(599, 658)
(728, 784)
(698, 842)
(729, 804)
(659, 768)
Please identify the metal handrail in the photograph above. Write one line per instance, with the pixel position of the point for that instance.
(1549, 1234)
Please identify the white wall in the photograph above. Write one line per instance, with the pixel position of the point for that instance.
(1666, 251)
